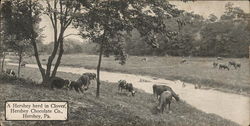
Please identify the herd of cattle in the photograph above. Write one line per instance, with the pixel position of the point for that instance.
(227, 66)
(163, 93)
(81, 84)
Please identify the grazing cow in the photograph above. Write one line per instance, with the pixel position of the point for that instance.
(223, 66)
(232, 63)
(144, 59)
(215, 64)
(122, 84)
(10, 72)
(59, 83)
(238, 65)
(183, 61)
(158, 89)
(165, 98)
(130, 88)
(92, 76)
(76, 85)
(84, 81)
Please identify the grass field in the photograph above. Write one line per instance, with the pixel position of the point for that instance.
(195, 70)
(112, 108)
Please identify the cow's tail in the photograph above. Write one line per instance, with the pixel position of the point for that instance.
(176, 97)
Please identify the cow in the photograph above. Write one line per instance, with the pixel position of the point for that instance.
(122, 84)
(84, 80)
(215, 64)
(76, 85)
(238, 65)
(158, 89)
(144, 59)
(165, 98)
(92, 76)
(59, 83)
(11, 72)
(232, 63)
(129, 87)
(223, 66)
(183, 61)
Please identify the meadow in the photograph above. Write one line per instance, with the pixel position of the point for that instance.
(197, 70)
(112, 108)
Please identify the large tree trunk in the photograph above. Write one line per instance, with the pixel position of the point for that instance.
(2, 67)
(61, 51)
(33, 41)
(98, 71)
(56, 45)
(19, 64)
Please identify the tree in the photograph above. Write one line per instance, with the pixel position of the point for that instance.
(228, 37)
(15, 36)
(106, 22)
(60, 14)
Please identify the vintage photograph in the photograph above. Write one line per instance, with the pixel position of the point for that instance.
(124, 63)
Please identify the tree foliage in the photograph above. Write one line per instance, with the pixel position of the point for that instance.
(108, 22)
(16, 25)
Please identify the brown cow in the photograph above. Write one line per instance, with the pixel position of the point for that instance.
(158, 89)
(59, 83)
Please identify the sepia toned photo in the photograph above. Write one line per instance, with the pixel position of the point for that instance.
(125, 63)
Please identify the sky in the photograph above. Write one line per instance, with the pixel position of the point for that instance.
(204, 8)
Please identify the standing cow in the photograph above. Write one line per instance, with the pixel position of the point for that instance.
(122, 84)
(130, 88)
(84, 80)
(223, 66)
(165, 98)
(158, 89)
(92, 76)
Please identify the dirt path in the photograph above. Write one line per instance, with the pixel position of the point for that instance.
(230, 106)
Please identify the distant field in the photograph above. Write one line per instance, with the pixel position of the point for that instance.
(112, 108)
(195, 70)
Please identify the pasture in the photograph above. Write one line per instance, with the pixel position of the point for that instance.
(195, 70)
(112, 108)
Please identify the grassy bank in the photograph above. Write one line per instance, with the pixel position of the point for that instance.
(112, 108)
(195, 70)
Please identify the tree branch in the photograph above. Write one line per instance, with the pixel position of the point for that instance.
(49, 14)
(70, 35)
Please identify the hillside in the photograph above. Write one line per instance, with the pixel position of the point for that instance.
(113, 108)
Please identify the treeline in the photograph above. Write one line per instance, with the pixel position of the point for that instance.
(226, 36)
(71, 46)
